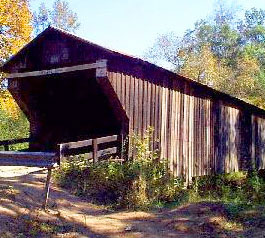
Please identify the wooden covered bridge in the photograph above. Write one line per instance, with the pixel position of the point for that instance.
(71, 89)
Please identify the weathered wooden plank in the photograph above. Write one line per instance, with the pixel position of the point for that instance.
(26, 155)
(101, 64)
(131, 93)
(209, 136)
(119, 88)
(195, 140)
(191, 136)
(14, 141)
(95, 150)
(173, 133)
(145, 105)
(75, 145)
(131, 110)
(101, 71)
(156, 115)
(152, 111)
(47, 188)
(169, 118)
(114, 81)
(123, 90)
(108, 151)
(200, 143)
(140, 107)
(178, 127)
(136, 106)
(85, 143)
(127, 95)
(185, 133)
(28, 162)
(253, 141)
(162, 123)
(149, 104)
(107, 139)
(104, 152)
(181, 165)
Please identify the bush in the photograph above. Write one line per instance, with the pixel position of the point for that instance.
(141, 182)
(239, 187)
(144, 181)
(11, 128)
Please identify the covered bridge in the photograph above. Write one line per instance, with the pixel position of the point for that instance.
(71, 89)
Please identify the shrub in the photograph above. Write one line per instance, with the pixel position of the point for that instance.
(140, 182)
(145, 181)
(11, 128)
(239, 187)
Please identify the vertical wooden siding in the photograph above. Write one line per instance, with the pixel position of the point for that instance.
(198, 134)
(228, 139)
(258, 142)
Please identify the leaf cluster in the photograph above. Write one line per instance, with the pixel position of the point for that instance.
(224, 51)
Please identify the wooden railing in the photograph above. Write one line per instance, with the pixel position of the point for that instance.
(7, 143)
(92, 148)
(29, 159)
(32, 159)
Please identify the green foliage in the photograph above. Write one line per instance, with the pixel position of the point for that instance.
(12, 128)
(220, 50)
(141, 182)
(241, 188)
(144, 181)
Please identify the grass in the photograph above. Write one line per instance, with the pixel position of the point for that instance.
(26, 226)
(8, 192)
(145, 183)
(148, 184)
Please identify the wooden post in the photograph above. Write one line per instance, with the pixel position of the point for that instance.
(121, 146)
(47, 188)
(6, 147)
(95, 150)
(60, 153)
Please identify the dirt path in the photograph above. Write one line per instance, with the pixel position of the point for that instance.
(70, 216)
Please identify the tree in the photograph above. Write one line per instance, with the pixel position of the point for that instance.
(15, 31)
(167, 48)
(203, 66)
(15, 27)
(60, 16)
(223, 51)
(41, 19)
(13, 128)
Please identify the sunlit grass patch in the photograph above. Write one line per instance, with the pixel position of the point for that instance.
(223, 223)
(8, 192)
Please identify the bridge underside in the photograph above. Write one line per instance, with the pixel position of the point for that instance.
(65, 107)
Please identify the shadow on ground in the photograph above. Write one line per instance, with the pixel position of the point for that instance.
(68, 216)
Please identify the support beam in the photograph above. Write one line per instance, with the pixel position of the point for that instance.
(47, 188)
(102, 64)
(95, 150)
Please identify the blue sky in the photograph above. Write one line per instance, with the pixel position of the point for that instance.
(131, 26)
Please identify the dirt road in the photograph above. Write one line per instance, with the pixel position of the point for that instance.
(21, 197)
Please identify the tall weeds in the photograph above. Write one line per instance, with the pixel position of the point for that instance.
(144, 181)
(141, 182)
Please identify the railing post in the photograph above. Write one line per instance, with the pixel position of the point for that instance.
(95, 150)
(60, 154)
(6, 146)
(47, 188)
(121, 146)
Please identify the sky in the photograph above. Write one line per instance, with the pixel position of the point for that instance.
(131, 26)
